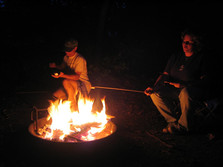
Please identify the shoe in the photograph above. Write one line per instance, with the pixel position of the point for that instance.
(177, 130)
(174, 128)
(165, 130)
(168, 127)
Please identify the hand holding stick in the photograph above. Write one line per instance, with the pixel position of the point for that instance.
(148, 91)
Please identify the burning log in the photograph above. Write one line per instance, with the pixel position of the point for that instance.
(70, 138)
(83, 132)
(64, 125)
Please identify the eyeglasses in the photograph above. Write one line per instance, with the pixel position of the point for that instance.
(188, 42)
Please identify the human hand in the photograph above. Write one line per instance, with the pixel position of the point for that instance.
(148, 91)
(56, 75)
(52, 65)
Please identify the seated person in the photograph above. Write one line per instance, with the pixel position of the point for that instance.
(184, 79)
(75, 76)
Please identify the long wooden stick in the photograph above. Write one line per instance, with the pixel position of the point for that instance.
(93, 87)
(127, 90)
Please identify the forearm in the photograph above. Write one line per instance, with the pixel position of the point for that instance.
(74, 77)
(161, 78)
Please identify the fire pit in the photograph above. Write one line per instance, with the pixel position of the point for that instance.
(67, 125)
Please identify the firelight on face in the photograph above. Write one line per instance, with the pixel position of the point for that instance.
(187, 44)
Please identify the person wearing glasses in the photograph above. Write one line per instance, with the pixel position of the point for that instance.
(184, 80)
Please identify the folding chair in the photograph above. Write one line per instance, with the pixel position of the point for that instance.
(205, 111)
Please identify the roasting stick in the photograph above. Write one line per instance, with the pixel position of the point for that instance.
(127, 90)
(93, 87)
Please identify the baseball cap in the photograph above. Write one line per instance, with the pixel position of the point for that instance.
(70, 44)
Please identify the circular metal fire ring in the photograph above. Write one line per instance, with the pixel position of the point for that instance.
(110, 127)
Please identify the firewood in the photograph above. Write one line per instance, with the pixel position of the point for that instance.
(72, 138)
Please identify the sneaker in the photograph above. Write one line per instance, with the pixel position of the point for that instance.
(165, 130)
(177, 129)
(168, 127)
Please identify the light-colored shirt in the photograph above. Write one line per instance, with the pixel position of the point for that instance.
(79, 65)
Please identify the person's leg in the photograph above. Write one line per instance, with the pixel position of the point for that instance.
(185, 104)
(71, 88)
(188, 98)
(59, 94)
(164, 107)
(82, 90)
(164, 99)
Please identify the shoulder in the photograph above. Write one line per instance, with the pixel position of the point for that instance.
(65, 59)
(80, 58)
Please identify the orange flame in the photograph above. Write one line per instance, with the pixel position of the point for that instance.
(83, 122)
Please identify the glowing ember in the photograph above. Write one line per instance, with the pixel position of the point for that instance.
(64, 124)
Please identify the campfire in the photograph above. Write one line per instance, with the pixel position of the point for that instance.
(64, 124)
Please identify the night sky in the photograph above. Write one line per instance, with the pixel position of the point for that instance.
(131, 37)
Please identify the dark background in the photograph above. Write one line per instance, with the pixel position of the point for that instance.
(122, 37)
(126, 45)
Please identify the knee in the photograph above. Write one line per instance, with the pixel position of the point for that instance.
(185, 94)
(155, 97)
(65, 83)
(184, 91)
(68, 84)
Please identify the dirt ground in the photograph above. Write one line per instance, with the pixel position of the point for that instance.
(138, 140)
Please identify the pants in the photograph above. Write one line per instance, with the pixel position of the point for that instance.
(71, 89)
(163, 100)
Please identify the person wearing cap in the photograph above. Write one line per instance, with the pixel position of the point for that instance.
(184, 80)
(73, 72)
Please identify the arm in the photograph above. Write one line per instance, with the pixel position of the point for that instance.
(161, 77)
(150, 90)
(74, 77)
